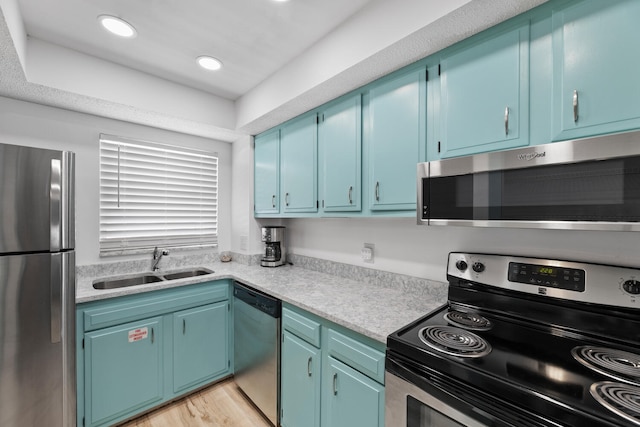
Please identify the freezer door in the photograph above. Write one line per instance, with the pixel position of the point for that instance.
(37, 351)
(37, 196)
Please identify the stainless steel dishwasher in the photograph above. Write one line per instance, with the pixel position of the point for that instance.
(257, 348)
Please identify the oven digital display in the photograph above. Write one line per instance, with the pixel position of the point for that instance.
(571, 279)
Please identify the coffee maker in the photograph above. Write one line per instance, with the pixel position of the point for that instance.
(274, 251)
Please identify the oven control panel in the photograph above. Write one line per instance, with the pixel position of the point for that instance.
(571, 279)
(577, 281)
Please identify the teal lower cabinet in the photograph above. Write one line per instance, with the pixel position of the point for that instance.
(199, 353)
(299, 382)
(123, 369)
(330, 376)
(352, 399)
(139, 351)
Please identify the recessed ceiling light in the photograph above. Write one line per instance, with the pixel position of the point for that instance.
(117, 26)
(209, 63)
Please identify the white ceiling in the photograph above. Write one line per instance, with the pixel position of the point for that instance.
(253, 38)
(281, 59)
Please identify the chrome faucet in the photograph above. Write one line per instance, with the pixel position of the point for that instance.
(157, 256)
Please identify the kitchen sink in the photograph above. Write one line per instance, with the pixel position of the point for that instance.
(145, 278)
(128, 281)
(186, 273)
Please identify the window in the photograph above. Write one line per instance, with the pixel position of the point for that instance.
(156, 195)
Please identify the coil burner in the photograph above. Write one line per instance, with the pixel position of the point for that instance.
(621, 399)
(468, 320)
(454, 341)
(616, 364)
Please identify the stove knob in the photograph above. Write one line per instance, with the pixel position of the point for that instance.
(632, 287)
(478, 267)
(461, 265)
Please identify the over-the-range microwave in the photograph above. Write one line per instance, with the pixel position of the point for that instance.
(585, 184)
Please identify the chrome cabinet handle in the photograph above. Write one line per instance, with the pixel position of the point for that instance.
(377, 191)
(309, 366)
(506, 121)
(153, 336)
(575, 106)
(273, 201)
(286, 199)
(350, 195)
(335, 384)
(184, 326)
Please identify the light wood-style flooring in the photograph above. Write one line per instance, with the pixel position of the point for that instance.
(222, 404)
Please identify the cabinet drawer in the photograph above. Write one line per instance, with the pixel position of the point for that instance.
(357, 355)
(301, 326)
(141, 306)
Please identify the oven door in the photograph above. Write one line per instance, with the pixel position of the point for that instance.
(418, 396)
(407, 405)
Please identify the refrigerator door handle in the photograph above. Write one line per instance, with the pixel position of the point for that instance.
(55, 205)
(57, 283)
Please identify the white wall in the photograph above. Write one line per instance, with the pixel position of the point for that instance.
(24, 123)
(403, 247)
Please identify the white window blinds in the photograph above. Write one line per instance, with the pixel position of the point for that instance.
(156, 195)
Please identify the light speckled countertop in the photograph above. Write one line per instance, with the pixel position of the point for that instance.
(370, 309)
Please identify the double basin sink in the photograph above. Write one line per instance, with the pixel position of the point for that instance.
(144, 278)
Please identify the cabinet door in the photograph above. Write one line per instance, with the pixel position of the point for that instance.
(200, 345)
(485, 95)
(596, 68)
(267, 173)
(123, 370)
(397, 141)
(299, 383)
(298, 165)
(350, 398)
(340, 145)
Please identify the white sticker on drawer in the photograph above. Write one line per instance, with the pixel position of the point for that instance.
(138, 334)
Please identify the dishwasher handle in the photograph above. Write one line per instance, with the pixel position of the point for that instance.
(258, 300)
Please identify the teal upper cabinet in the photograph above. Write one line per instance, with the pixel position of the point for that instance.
(298, 165)
(596, 68)
(396, 140)
(484, 90)
(267, 173)
(340, 148)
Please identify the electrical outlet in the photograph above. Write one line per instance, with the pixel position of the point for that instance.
(244, 243)
(367, 252)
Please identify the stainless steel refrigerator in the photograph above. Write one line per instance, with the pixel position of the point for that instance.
(37, 288)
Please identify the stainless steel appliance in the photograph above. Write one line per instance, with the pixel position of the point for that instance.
(591, 184)
(37, 288)
(275, 252)
(257, 348)
(521, 342)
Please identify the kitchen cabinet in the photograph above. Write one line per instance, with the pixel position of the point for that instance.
(340, 148)
(484, 95)
(300, 382)
(197, 351)
(123, 369)
(330, 376)
(267, 173)
(395, 140)
(349, 393)
(298, 165)
(595, 70)
(139, 351)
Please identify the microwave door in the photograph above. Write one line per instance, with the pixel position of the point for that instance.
(36, 192)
